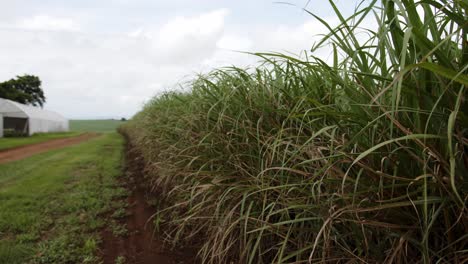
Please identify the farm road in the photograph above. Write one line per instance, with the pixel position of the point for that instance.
(29, 150)
(142, 244)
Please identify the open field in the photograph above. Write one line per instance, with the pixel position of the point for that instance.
(101, 126)
(8, 143)
(51, 203)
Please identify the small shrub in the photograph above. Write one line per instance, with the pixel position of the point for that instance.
(13, 133)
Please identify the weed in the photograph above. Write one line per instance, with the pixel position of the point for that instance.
(119, 213)
(120, 260)
(119, 229)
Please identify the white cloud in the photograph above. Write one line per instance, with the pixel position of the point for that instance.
(182, 39)
(234, 42)
(86, 75)
(203, 25)
(45, 22)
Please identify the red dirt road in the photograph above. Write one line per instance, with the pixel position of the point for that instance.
(141, 244)
(29, 150)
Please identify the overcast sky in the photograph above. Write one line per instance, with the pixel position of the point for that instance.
(106, 58)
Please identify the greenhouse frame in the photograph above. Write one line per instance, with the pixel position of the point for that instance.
(20, 119)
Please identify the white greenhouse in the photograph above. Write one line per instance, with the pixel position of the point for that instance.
(28, 120)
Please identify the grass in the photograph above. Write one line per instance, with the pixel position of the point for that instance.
(363, 159)
(76, 127)
(51, 204)
(8, 143)
(101, 126)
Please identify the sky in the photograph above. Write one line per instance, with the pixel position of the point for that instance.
(106, 58)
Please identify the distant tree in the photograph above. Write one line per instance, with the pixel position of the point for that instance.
(24, 89)
(123, 119)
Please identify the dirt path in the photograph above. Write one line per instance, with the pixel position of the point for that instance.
(29, 150)
(141, 244)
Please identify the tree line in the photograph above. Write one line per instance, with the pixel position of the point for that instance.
(25, 89)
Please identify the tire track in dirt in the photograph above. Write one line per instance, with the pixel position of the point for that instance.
(23, 152)
(141, 244)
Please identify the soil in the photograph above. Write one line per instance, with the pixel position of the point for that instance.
(141, 244)
(29, 150)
